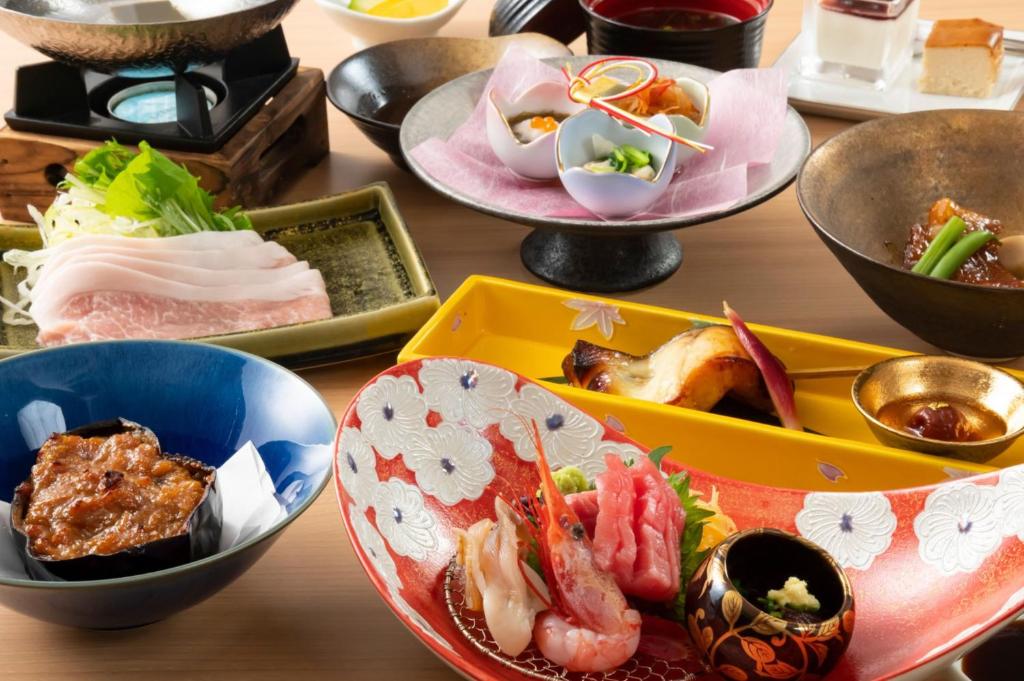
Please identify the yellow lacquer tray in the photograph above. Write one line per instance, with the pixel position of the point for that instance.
(529, 329)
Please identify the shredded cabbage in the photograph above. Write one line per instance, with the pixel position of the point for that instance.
(114, 190)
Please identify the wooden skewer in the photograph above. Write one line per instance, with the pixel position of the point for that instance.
(824, 372)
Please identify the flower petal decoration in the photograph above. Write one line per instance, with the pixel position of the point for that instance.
(595, 313)
(854, 528)
(959, 527)
(1010, 491)
(460, 390)
(392, 413)
(569, 436)
(451, 463)
(403, 519)
(373, 545)
(357, 467)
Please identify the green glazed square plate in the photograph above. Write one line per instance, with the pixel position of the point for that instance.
(379, 288)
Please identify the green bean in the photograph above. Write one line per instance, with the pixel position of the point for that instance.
(942, 242)
(958, 255)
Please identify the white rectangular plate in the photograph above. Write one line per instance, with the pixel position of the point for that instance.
(853, 100)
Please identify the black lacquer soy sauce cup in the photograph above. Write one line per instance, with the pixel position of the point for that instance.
(731, 46)
(742, 641)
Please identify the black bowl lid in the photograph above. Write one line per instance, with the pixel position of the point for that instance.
(563, 20)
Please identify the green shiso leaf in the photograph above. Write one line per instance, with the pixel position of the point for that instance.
(657, 454)
(689, 557)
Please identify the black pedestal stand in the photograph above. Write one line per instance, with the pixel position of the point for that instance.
(603, 264)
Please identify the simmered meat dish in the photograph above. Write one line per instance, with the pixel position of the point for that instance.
(984, 266)
(102, 495)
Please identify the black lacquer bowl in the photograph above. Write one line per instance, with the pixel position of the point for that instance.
(377, 86)
(738, 638)
(732, 46)
(590, 254)
(865, 187)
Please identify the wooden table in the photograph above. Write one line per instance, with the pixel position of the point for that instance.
(307, 611)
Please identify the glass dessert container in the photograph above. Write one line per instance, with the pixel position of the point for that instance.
(864, 40)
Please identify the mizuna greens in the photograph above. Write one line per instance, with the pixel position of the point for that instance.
(114, 190)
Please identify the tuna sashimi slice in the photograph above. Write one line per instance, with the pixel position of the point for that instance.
(637, 530)
(584, 505)
(107, 315)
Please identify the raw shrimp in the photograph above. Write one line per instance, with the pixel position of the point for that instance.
(590, 627)
(496, 579)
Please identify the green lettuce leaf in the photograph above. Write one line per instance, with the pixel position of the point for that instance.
(152, 187)
(689, 557)
(100, 166)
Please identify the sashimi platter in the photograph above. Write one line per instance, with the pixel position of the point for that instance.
(575, 457)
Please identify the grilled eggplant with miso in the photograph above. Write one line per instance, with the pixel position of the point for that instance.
(696, 369)
(104, 501)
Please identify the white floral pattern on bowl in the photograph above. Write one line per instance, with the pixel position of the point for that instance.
(373, 545)
(569, 436)
(1011, 502)
(854, 528)
(959, 527)
(451, 463)
(392, 413)
(403, 519)
(357, 467)
(612, 195)
(460, 390)
(533, 160)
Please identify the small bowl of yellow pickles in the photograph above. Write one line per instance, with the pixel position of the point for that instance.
(378, 21)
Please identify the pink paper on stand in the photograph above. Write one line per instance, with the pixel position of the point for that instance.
(748, 109)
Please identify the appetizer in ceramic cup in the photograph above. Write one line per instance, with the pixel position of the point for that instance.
(522, 131)
(610, 169)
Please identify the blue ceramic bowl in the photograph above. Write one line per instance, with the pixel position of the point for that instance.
(200, 400)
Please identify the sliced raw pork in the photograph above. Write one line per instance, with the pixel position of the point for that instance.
(204, 284)
(637, 522)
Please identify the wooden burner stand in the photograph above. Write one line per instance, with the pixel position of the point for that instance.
(287, 136)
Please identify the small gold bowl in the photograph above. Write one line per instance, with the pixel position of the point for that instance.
(942, 379)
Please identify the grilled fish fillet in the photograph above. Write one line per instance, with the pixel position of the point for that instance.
(696, 369)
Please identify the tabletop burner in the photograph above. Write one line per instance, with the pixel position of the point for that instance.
(195, 111)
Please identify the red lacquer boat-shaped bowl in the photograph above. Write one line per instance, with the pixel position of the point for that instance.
(425, 447)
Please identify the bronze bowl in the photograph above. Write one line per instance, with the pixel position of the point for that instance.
(738, 639)
(863, 189)
(944, 379)
(136, 42)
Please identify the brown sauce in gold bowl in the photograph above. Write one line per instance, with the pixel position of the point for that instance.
(946, 420)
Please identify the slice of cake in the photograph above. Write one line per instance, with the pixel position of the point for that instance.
(962, 58)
